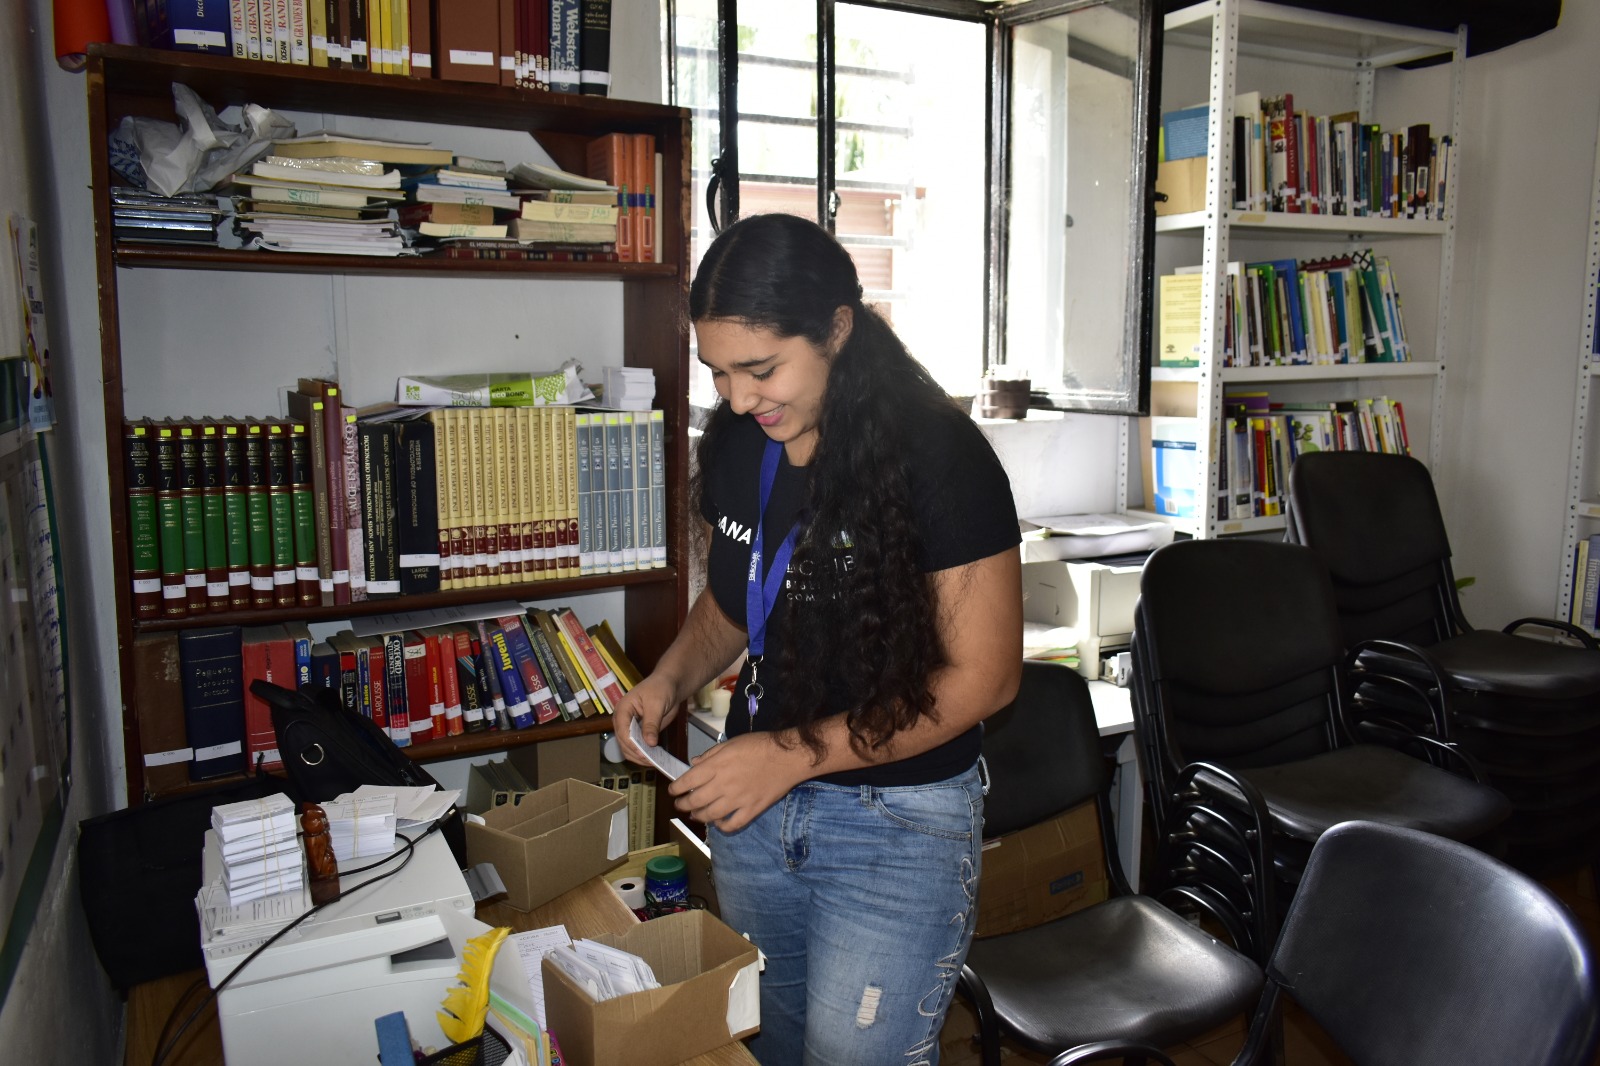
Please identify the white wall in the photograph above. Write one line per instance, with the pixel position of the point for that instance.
(1530, 119)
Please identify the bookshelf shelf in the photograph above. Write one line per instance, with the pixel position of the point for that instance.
(529, 590)
(1583, 489)
(168, 257)
(1332, 64)
(1272, 222)
(125, 81)
(1587, 508)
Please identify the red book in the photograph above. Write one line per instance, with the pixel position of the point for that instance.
(604, 679)
(266, 653)
(450, 678)
(418, 706)
(376, 669)
(436, 685)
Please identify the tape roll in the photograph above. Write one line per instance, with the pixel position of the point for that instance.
(610, 750)
(631, 889)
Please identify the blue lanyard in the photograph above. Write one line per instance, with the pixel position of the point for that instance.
(761, 595)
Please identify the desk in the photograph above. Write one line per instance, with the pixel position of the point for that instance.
(590, 909)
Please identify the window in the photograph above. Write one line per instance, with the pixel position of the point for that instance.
(984, 163)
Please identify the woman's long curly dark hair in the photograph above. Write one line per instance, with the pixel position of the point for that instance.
(878, 639)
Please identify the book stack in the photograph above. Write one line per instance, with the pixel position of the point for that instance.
(260, 848)
(629, 388)
(417, 678)
(548, 214)
(361, 826)
(1261, 439)
(1288, 160)
(629, 162)
(151, 218)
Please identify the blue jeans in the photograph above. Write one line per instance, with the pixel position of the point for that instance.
(862, 900)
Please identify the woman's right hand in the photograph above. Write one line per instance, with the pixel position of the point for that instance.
(655, 703)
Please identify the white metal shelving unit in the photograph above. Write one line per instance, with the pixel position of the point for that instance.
(1583, 484)
(1295, 39)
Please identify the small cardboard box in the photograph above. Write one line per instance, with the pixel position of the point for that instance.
(1184, 183)
(554, 840)
(1042, 872)
(550, 761)
(709, 996)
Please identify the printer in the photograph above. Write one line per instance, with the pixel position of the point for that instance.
(313, 995)
(1092, 598)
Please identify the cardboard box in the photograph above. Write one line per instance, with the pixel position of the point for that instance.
(554, 840)
(1042, 872)
(708, 997)
(1184, 182)
(550, 761)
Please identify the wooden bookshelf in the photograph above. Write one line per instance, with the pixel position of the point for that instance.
(127, 81)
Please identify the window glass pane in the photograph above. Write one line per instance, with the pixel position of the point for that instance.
(909, 168)
(1071, 299)
(777, 107)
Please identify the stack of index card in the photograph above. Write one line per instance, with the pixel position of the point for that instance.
(261, 853)
(629, 388)
(361, 825)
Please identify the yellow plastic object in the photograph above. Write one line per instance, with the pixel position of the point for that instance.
(461, 1019)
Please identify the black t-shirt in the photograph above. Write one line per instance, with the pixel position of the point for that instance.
(964, 512)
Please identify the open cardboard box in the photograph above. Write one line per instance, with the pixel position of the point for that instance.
(551, 841)
(709, 996)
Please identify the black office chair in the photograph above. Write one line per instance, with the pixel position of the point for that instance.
(1239, 666)
(1527, 709)
(1412, 950)
(1127, 969)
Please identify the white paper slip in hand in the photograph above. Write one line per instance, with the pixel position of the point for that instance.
(659, 757)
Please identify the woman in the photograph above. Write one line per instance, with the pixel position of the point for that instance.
(883, 623)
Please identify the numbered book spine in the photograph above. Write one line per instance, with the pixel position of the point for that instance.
(658, 489)
(281, 508)
(528, 516)
(192, 504)
(508, 535)
(308, 580)
(625, 490)
(144, 531)
(581, 460)
(641, 487)
(613, 447)
(441, 485)
(214, 515)
(544, 562)
(169, 517)
(236, 513)
(565, 433)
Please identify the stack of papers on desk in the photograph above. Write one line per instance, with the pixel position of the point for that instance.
(1085, 536)
(259, 848)
(414, 806)
(361, 826)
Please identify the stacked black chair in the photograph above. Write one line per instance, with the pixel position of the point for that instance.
(1125, 970)
(1527, 709)
(1242, 712)
(1411, 950)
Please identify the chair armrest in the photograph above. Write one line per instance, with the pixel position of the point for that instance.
(1407, 689)
(1577, 632)
(1110, 1049)
(1445, 754)
(1254, 836)
(1438, 708)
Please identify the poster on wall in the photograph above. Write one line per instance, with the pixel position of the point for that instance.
(35, 751)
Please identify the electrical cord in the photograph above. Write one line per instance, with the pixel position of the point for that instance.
(163, 1049)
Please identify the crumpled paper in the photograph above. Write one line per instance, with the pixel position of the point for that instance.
(198, 153)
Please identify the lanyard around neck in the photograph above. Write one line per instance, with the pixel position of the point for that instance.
(761, 591)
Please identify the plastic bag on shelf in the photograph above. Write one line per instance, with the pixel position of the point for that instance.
(200, 151)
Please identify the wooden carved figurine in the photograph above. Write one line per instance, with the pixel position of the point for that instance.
(320, 860)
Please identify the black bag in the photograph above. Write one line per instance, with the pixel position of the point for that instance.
(139, 874)
(327, 751)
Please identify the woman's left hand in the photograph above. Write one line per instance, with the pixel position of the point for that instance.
(730, 785)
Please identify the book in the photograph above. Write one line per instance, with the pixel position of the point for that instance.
(1586, 584)
(594, 47)
(382, 563)
(213, 516)
(467, 33)
(191, 503)
(1178, 343)
(625, 493)
(450, 681)
(375, 699)
(509, 678)
(193, 26)
(307, 561)
(613, 491)
(418, 687)
(489, 678)
(466, 667)
(348, 684)
(641, 489)
(642, 182)
(603, 681)
(266, 654)
(327, 485)
(236, 515)
(565, 661)
(536, 688)
(454, 567)
(436, 701)
(258, 505)
(394, 688)
(550, 666)
(567, 475)
(526, 229)
(658, 489)
(163, 743)
(416, 506)
(301, 642)
(599, 499)
(304, 192)
(144, 543)
(213, 700)
(1174, 444)
(432, 192)
(420, 39)
(607, 160)
(558, 211)
(607, 644)
(300, 171)
(585, 519)
(566, 27)
(355, 531)
(280, 500)
(325, 143)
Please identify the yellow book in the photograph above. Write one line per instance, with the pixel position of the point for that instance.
(402, 36)
(472, 481)
(610, 649)
(566, 512)
(576, 677)
(552, 499)
(441, 489)
(494, 488)
(516, 452)
(530, 564)
(318, 10)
